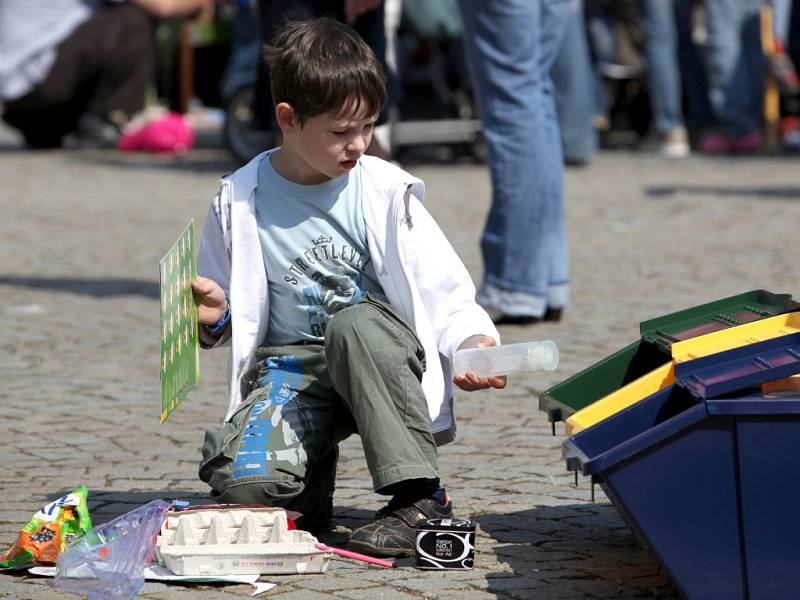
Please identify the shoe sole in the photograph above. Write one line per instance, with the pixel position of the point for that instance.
(553, 315)
(371, 550)
(516, 320)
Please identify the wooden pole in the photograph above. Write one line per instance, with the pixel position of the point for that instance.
(772, 94)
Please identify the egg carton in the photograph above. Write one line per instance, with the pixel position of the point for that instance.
(237, 541)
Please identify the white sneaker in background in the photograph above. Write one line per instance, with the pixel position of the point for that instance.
(675, 144)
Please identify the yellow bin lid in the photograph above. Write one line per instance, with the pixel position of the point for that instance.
(661, 377)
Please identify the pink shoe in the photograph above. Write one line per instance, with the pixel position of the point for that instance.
(748, 143)
(170, 134)
(715, 143)
(720, 143)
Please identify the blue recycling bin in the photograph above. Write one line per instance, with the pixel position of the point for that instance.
(704, 472)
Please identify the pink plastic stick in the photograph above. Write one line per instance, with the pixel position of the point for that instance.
(387, 564)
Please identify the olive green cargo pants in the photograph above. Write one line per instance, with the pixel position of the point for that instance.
(280, 447)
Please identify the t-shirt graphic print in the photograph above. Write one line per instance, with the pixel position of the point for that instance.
(316, 256)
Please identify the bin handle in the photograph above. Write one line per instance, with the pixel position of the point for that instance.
(765, 370)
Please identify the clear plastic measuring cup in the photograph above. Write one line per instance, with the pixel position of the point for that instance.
(507, 359)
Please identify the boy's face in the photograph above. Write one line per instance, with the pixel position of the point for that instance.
(327, 146)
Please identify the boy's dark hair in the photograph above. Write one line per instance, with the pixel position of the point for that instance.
(321, 66)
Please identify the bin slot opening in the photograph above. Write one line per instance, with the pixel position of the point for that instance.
(719, 322)
(763, 362)
(713, 316)
(760, 311)
(743, 371)
(607, 376)
(646, 359)
(634, 420)
(687, 334)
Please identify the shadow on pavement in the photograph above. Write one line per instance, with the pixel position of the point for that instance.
(351, 517)
(96, 287)
(105, 505)
(208, 155)
(572, 550)
(195, 161)
(772, 192)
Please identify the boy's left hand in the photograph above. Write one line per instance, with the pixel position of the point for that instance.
(469, 381)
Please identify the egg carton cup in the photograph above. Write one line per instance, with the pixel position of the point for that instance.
(237, 541)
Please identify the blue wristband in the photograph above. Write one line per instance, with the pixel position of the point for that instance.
(217, 328)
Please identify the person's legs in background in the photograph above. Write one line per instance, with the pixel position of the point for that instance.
(600, 38)
(127, 54)
(573, 80)
(698, 115)
(511, 46)
(272, 14)
(96, 84)
(790, 125)
(663, 75)
(781, 18)
(735, 74)
(793, 33)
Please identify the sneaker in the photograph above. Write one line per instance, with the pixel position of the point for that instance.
(721, 143)
(170, 133)
(748, 143)
(552, 314)
(393, 533)
(499, 318)
(715, 143)
(93, 133)
(675, 144)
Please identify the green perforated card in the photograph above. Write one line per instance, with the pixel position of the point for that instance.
(180, 351)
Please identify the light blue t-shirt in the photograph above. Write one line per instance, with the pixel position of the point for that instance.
(314, 243)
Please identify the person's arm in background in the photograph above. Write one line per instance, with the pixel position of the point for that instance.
(167, 9)
(355, 8)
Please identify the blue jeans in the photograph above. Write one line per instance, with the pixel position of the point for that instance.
(510, 47)
(574, 83)
(674, 66)
(781, 19)
(735, 64)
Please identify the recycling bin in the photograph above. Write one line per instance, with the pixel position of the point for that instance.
(654, 348)
(715, 316)
(703, 472)
(683, 351)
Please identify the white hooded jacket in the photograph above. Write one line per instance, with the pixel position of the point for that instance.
(421, 275)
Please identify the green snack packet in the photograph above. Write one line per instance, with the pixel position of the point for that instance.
(50, 530)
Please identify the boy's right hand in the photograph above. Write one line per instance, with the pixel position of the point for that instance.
(211, 300)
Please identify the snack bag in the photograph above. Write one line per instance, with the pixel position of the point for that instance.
(49, 531)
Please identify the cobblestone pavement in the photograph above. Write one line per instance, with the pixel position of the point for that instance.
(81, 234)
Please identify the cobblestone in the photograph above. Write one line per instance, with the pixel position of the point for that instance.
(81, 236)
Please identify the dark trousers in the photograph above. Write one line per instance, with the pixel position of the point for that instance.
(794, 33)
(102, 68)
(274, 13)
